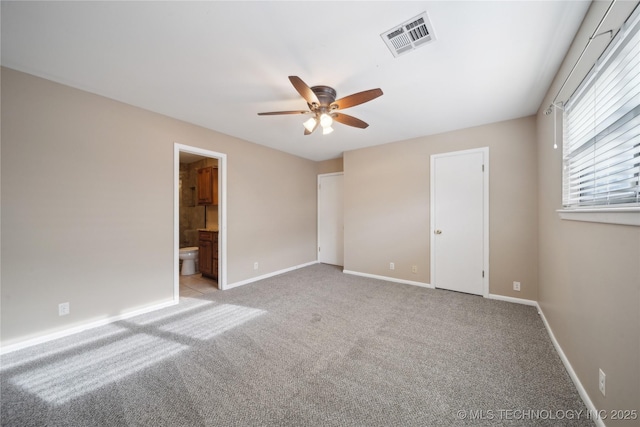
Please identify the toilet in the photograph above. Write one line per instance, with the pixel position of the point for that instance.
(188, 256)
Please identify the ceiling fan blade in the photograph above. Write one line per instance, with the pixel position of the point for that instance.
(275, 113)
(356, 99)
(304, 90)
(349, 120)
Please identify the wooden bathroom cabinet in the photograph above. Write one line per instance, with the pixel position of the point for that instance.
(208, 253)
(208, 186)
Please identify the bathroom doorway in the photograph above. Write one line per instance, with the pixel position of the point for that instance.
(190, 217)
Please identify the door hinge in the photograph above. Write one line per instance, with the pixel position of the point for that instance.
(482, 273)
(318, 248)
(482, 168)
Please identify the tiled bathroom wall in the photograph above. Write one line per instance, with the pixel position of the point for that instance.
(192, 216)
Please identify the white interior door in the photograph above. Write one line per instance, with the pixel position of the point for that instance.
(459, 221)
(330, 219)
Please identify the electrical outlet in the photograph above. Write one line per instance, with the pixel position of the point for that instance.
(255, 265)
(63, 309)
(414, 269)
(602, 380)
(392, 266)
(516, 286)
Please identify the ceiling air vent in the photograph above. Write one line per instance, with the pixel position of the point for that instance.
(409, 35)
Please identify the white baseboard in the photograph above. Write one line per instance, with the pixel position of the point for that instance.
(83, 327)
(514, 300)
(388, 279)
(266, 276)
(565, 361)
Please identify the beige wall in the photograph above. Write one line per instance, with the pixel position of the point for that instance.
(589, 273)
(387, 205)
(87, 206)
(331, 166)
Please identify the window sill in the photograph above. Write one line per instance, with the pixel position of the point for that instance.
(622, 216)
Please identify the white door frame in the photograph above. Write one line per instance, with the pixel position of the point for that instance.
(222, 213)
(485, 202)
(320, 176)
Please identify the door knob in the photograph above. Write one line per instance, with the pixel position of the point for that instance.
(437, 232)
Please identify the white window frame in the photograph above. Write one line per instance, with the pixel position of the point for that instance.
(577, 209)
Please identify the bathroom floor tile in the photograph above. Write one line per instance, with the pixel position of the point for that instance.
(187, 292)
(202, 287)
(195, 285)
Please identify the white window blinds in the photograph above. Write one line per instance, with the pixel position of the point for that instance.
(601, 150)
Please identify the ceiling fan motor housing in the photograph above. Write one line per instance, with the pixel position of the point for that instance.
(326, 95)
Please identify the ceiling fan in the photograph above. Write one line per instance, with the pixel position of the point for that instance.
(324, 107)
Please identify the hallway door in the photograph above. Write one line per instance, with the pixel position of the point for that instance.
(331, 219)
(459, 221)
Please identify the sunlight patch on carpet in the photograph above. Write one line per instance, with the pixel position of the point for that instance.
(207, 324)
(76, 376)
(176, 310)
(62, 345)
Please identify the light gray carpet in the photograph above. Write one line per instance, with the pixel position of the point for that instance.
(313, 347)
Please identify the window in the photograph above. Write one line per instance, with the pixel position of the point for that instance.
(601, 150)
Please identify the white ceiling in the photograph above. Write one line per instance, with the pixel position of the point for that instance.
(217, 64)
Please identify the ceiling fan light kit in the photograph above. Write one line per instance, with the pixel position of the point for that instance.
(310, 124)
(327, 130)
(325, 120)
(322, 103)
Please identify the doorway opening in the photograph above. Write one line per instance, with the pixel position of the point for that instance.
(186, 154)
